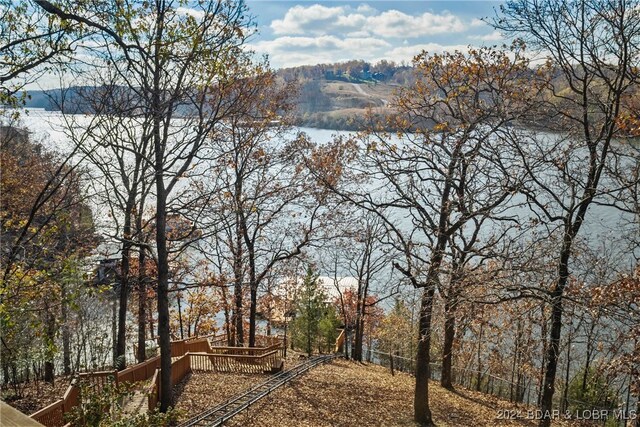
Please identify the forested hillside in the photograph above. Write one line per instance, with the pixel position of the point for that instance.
(330, 96)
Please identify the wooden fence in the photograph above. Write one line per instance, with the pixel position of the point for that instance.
(194, 344)
(98, 380)
(53, 415)
(254, 364)
(218, 340)
(195, 350)
(179, 369)
(140, 372)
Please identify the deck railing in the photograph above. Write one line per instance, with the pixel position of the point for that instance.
(53, 415)
(153, 390)
(256, 364)
(193, 344)
(140, 372)
(194, 350)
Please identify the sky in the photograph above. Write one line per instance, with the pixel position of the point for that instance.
(308, 32)
(296, 33)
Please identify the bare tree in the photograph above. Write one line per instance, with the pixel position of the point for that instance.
(446, 170)
(593, 49)
(361, 253)
(268, 201)
(183, 65)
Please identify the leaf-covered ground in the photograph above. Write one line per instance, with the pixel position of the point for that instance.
(346, 393)
(34, 395)
(202, 390)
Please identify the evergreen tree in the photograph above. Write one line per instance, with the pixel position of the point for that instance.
(316, 322)
(328, 329)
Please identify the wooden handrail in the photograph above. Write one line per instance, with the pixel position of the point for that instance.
(53, 414)
(140, 372)
(234, 362)
(198, 338)
(232, 356)
(153, 391)
(339, 341)
(242, 350)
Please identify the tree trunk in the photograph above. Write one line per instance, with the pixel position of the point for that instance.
(252, 312)
(152, 328)
(347, 337)
(166, 396)
(356, 351)
(446, 379)
(237, 315)
(51, 336)
(544, 333)
(5, 371)
(565, 392)
(125, 268)
(588, 356)
(142, 301)
(227, 320)
(515, 366)
(422, 412)
(164, 338)
(66, 333)
(253, 286)
(114, 329)
(546, 403)
(309, 348)
(238, 275)
(479, 359)
(391, 363)
(180, 316)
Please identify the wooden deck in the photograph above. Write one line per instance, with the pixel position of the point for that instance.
(195, 353)
(11, 417)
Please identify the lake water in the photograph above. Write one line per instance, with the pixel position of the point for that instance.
(603, 227)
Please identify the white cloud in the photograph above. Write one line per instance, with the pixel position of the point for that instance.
(318, 33)
(359, 34)
(286, 43)
(393, 23)
(294, 51)
(366, 9)
(491, 37)
(352, 20)
(317, 19)
(406, 53)
(298, 18)
(291, 51)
